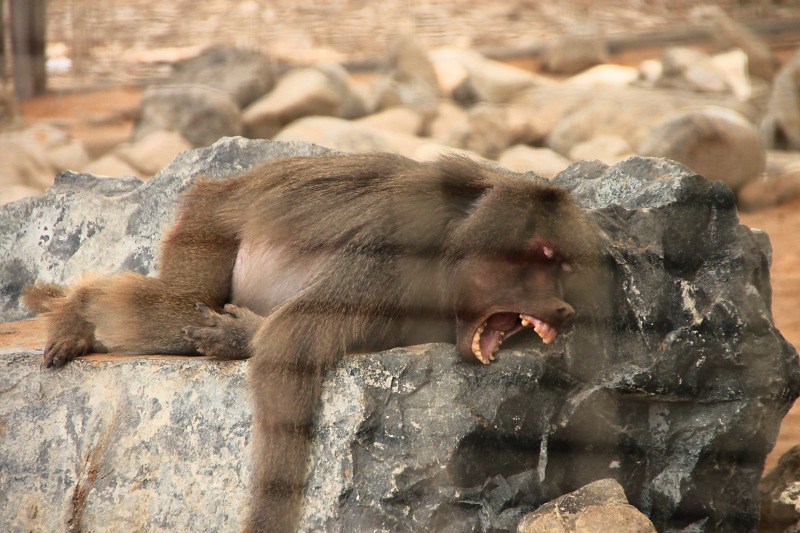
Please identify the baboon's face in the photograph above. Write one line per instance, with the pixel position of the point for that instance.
(500, 293)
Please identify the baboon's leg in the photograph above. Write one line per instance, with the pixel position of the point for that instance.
(134, 313)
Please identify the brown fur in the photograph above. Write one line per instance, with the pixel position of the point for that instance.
(337, 254)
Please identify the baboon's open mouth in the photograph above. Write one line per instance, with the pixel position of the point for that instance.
(499, 326)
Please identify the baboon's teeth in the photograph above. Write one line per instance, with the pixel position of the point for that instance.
(476, 346)
(545, 331)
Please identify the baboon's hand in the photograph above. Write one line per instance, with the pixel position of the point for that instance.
(60, 351)
(226, 334)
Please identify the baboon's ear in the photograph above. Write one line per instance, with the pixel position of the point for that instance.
(463, 197)
(462, 183)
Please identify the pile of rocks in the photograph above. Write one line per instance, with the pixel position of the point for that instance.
(732, 116)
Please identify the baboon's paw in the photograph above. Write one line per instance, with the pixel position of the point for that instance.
(60, 351)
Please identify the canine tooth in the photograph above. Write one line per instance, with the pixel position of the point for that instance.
(548, 252)
(525, 322)
(566, 267)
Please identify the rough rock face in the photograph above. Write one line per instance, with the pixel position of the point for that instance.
(673, 381)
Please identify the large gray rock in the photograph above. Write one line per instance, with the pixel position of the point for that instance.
(630, 113)
(142, 444)
(673, 381)
(716, 142)
(245, 75)
(201, 114)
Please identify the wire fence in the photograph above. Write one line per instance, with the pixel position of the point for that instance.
(132, 41)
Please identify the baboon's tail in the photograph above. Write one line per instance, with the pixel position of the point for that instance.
(38, 297)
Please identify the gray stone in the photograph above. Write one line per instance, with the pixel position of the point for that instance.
(716, 142)
(147, 444)
(201, 114)
(630, 114)
(673, 381)
(245, 75)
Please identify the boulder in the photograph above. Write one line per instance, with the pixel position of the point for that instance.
(408, 79)
(152, 152)
(780, 495)
(245, 75)
(694, 70)
(399, 119)
(449, 116)
(574, 53)
(322, 90)
(483, 130)
(201, 114)
(535, 113)
(599, 506)
(673, 380)
(9, 114)
(613, 76)
(111, 165)
(490, 81)
(780, 127)
(779, 183)
(350, 136)
(716, 142)
(630, 113)
(609, 149)
(24, 162)
(61, 150)
(541, 161)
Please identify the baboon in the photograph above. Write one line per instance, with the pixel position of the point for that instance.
(303, 260)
